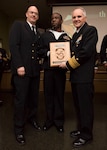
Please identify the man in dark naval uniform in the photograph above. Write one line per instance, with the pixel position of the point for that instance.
(54, 77)
(103, 51)
(24, 43)
(81, 64)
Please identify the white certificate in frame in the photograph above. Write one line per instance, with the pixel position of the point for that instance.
(59, 52)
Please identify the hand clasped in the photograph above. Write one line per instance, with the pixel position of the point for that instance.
(63, 65)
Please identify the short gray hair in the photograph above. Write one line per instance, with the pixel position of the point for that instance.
(81, 8)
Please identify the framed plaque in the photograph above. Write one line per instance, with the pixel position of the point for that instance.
(59, 52)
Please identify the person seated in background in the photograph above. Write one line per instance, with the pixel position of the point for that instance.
(103, 51)
(3, 59)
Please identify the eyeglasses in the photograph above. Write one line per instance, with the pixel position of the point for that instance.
(31, 12)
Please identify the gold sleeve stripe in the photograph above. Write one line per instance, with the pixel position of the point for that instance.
(73, 62)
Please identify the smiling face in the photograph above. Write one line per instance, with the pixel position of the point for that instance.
(78, 17)
(32, 15)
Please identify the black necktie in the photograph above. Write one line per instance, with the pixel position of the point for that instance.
(74, 38)
(33, 30)
(75, 35)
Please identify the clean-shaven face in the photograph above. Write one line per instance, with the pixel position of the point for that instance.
(32, 14)
(56, 21)
(78, 18)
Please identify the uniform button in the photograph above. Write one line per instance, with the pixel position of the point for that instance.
(33, 44)
(33, 51)
(32, 57)
(72, 53)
